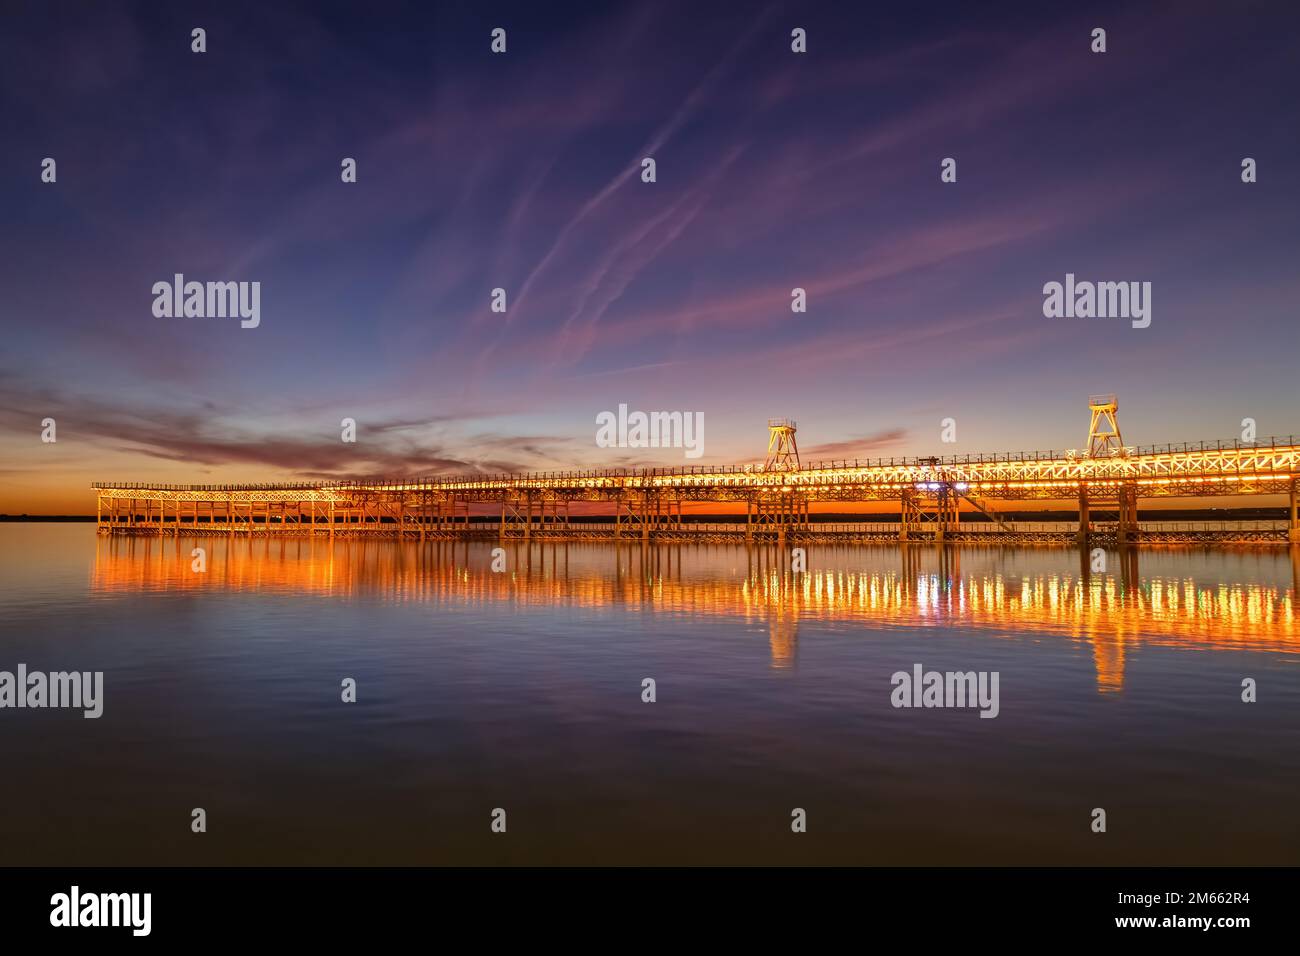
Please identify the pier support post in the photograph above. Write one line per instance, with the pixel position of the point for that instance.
(1293, 527)
(1082, 535)
(1126, 533)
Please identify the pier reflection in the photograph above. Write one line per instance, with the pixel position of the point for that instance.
(1012, 593)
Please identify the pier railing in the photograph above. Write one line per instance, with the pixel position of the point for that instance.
(752, 471)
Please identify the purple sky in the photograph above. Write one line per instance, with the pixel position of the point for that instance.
(522, 171)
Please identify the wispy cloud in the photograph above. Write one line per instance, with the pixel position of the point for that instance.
(214, 437)
(858, 447)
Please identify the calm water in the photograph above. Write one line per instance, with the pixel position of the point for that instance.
(522, 690)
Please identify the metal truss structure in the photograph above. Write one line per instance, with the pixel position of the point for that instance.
(1103, 434)
(782, 449)
(777, 502)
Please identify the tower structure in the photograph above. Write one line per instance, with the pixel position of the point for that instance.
(1104, 439)
(782, 449)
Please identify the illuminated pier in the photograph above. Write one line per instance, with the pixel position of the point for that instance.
(938, 499)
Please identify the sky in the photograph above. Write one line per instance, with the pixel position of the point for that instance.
(523, 171)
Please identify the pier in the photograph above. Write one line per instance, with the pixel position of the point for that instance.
(937, 499)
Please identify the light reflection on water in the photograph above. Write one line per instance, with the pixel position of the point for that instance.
(1177, 604)
(522, 688)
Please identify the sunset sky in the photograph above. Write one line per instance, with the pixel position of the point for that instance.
(522, 171)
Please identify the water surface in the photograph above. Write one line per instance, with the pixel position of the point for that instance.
(522, 690)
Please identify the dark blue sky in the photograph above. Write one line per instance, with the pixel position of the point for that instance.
(521, 171)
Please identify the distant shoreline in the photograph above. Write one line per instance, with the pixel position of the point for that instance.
(47, 518)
